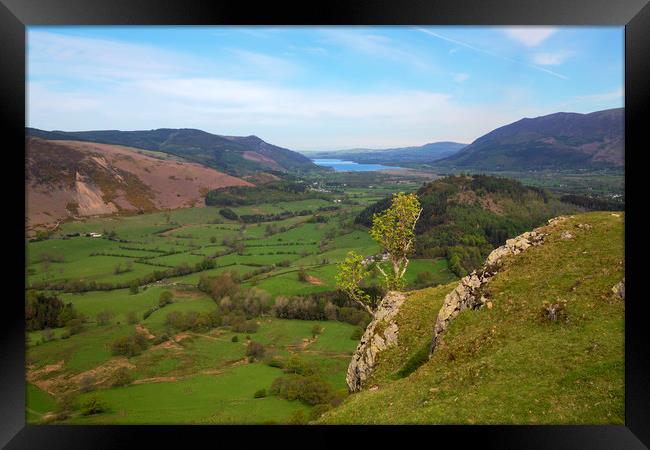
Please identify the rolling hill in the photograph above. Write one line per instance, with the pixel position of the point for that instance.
(426, 153)
(67, 179)
(465, 217)
(556, 141)
(508, 362)
(235, 155)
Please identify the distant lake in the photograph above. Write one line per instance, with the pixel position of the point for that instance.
(340, 165)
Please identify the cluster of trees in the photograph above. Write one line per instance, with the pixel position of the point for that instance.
(119, 268)
(302, 381)
(274, 191)
(595, 203)
(194, 320)
(47, 311)
(229, 214)
(129, 345)
(318, 307)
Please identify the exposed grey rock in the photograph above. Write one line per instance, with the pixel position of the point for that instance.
(619, 289)
(468, 294)
(381, 333)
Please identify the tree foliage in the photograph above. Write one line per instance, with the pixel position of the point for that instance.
(394, 230)
(348, 279)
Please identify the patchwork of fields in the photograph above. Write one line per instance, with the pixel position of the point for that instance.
(193, 377)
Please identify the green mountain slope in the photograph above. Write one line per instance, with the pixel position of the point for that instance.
(556, 141)
(507, 364)
(235, 155)
(465, 217)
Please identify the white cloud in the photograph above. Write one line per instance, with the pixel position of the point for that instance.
(530, 36)
(297, 118)
(460, 77)
(551, 58)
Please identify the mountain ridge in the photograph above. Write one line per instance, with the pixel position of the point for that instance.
(235, 155)
(562, 140)
(73, 179)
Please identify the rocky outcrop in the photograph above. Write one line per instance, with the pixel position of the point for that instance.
(469, 294)
(381, 333)
(619, 289)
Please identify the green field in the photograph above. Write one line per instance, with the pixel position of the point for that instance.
(194, 377)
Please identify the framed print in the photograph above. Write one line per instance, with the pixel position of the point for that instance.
(364, 218)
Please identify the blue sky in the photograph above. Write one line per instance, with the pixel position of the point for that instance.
(313, 88)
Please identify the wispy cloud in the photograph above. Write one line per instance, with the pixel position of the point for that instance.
(530, 36)
(551, 58)
(381, 47)
(488, 52)
(603, 96)
(266, 65)
(460, 77)
(101, 59)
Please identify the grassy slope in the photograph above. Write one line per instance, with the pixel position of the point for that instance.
(506, 365)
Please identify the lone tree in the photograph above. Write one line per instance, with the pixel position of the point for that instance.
(394, 230)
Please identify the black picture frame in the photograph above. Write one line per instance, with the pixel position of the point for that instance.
(16, 14)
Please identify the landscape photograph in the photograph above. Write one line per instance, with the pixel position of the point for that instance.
(324, 225)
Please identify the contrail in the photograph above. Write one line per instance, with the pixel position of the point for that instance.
(487, 52)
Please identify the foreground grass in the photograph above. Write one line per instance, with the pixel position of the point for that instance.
(202, 399)
(507, 365)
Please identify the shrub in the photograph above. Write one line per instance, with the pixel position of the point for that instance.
(133, 287)
(131, 318)
(121, 377)
(356, 334)
(165, 299)
(354, 316)
(255, 350)
(93, 406)
(66, 403)
(316, 330)
(308, 389)
(555, 311)
(104, 317)
(76, 326)
(235, 338)
(247, 326)
(297, 365)
(275, 362)
(302, 275)
(319, 410)
(298, 417)
(260, 393)
(161, 338)
(47, 335)
(130, 345)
